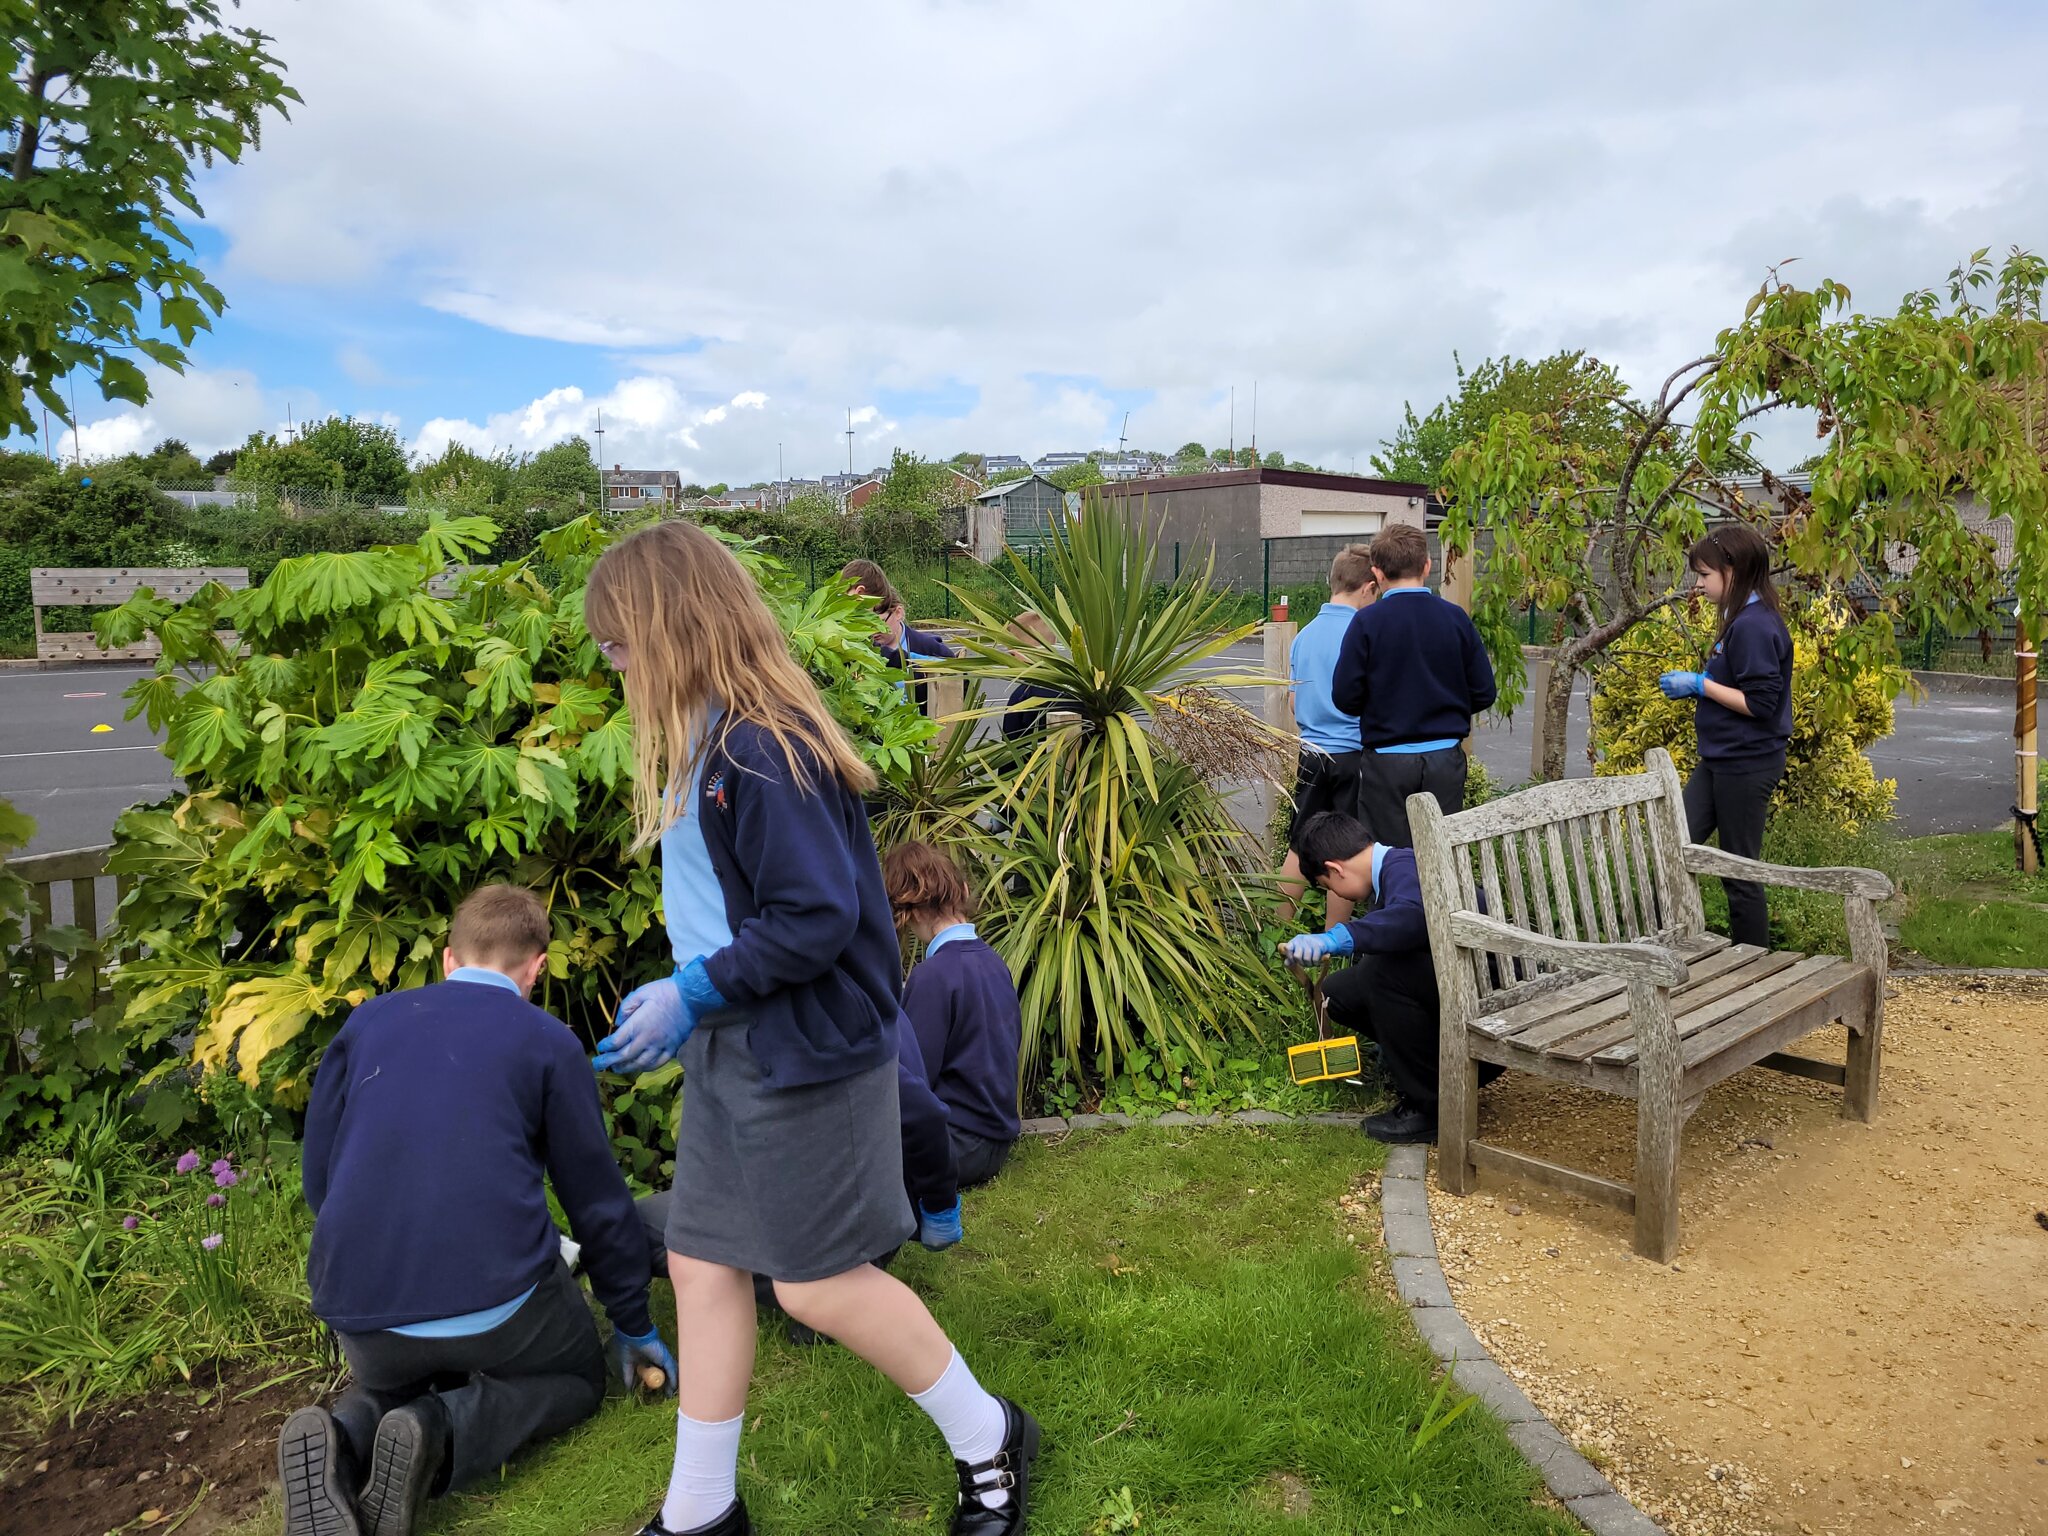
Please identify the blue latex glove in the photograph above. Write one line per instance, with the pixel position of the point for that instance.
(939, 1229)
(631, 1355)
(1683, 685)
(1308, 948)
(656, 1020)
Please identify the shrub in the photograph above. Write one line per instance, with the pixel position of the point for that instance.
(1837, 710)
(377, 752)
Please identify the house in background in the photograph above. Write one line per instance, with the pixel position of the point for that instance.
(1277, 527)
(961, 490)
(626, 490)
(1002, 463)
(1046, 463)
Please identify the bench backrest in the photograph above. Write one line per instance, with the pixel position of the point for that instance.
(1593, 859)
(96, 587)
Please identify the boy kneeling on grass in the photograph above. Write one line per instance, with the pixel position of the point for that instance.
(1388, 994)
(439, 1116)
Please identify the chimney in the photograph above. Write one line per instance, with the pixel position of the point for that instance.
(618, 469)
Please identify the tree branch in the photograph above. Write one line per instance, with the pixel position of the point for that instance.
(31, 129)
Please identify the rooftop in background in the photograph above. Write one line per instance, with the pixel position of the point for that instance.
(1302, 479)
(995, 463)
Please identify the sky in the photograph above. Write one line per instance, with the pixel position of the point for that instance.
(1002, 225)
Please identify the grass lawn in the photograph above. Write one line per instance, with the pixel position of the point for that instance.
(1962, 902)
(1181, 1309)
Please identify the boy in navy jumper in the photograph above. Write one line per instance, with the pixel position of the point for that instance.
(1388, 994)
(962, 1003)
(1414, 672)
(439, 1116)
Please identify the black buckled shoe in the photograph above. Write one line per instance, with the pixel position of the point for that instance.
(405, 1466)
(1401, 1126)
(1010, 1469)
(733, 1522)
(311, 1459)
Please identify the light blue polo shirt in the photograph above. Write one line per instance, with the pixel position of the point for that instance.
(692, 902)
(1312, 663)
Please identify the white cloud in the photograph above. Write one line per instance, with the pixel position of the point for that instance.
(863, 416)
(208, 409)
(1327, 199)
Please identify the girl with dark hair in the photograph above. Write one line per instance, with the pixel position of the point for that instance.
(1744, 713)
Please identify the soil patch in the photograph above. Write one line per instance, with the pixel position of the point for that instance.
(193, 1460)
(1855, 1335)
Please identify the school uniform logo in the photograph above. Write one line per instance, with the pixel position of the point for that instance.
(714, 789)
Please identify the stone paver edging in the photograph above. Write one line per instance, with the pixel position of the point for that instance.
(1573, 1480)
(1411, 1243)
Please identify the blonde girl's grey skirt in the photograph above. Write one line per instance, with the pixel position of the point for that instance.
(791, 1183)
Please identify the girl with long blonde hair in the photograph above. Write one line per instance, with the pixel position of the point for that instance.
(783, 1009)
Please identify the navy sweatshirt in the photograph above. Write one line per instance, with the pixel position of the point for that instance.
(1412, 668)
(1397, 923)
(1755, 657)
(1027, 707)
(927, 1148)
(814, 957)
(963, 1005)
(438, 1115)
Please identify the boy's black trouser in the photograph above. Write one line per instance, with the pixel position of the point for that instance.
(1387, 779)
(1735, 802)
(535, 1375)
(1392, 1000)
(976, 1159)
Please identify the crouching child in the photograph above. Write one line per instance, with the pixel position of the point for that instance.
(439, 1117)
(1388, 993)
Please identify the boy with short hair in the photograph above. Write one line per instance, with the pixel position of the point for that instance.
(1326, 771)
(1388, 994)
(439, 1116)
(1414, 671)
(962, 1003)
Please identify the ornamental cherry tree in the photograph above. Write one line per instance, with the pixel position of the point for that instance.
(1944, 399)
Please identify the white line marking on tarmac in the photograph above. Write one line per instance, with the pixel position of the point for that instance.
(148, 746)
(85, 695)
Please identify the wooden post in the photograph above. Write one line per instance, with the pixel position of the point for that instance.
(1276, 705)
(944, 697)
(2026, 743)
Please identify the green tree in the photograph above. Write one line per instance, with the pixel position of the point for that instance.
(1190, 453)
(1582, 395)
(460, 477)
(270, 463)
(558, 477)
(1938, 400)
(120, 518)
(371, 456)
(1072, 477)
(1276, 460)
(169, 462)
(104, 106)
(222, 462)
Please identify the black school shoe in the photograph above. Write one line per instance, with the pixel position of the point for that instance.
(1401, 1126)
(412, 1445)
(312, 1468)
(1012, 1468)
(733, 1522)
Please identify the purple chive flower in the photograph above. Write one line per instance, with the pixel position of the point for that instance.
(130, 1223)
(211, 1241)
(216, 1199)
(220, 1166)
(188, 1162)
(226, 1178)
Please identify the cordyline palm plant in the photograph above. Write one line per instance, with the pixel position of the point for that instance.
(1122, 892)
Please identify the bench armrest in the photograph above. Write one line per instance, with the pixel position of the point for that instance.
(1840, 882)
(1640, 960)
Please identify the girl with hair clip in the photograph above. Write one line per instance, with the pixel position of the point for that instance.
(785, 1011)
(1744, 713)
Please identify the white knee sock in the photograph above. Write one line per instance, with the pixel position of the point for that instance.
(705, 1481)
(969, 1417)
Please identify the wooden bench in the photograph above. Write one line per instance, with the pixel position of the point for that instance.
(56, 587)
(1591, 964)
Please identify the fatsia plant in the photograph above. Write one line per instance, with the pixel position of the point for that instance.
(381, 733)
(1122, 892)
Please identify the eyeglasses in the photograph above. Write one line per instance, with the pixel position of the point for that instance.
(613, 651)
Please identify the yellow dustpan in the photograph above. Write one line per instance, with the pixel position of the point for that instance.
(1324, 1059)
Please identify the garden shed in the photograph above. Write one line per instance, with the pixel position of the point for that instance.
(1029, 509)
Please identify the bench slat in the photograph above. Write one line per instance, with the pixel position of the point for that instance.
(1561, 882)
(1536, 1170)
(1547, 803)
(1645, 892)
(1705, 1013)
(1517, 1007)
(1716, 1054)
(1603, 878)
(1755, 968)
(1609, 1015)
(52, 586)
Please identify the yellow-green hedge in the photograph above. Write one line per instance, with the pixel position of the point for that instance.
(1834, 717)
